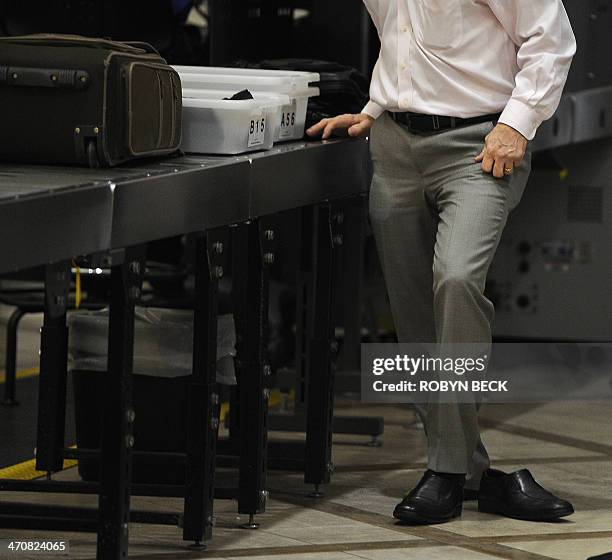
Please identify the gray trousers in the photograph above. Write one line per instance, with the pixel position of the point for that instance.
(438, 219)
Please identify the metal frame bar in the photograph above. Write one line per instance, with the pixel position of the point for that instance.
(350, 284)
(253, 251)
(83, 513)
(10, 368)
(53, 370)
(346, 259)
(78, 487)
(321, 237)
(203, 405)
(349, 296)
(118, 414)
(71, 487)
(327, 225)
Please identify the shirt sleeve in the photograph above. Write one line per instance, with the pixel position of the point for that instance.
(546, 45)
(373, 109)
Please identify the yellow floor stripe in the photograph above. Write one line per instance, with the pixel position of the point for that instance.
(22, 374)
(223, 412)
(275, 398)
(27, 470)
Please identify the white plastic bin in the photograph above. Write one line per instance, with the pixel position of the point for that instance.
(275, 84)
(212, 125)
(294, 84)
(290, 120)
(310, 77)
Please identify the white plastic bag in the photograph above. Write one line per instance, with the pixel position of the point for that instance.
(163, 343)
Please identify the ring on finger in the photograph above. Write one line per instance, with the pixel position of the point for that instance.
(508, 170)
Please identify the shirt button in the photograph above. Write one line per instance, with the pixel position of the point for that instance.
(405, 29)
(403, 67)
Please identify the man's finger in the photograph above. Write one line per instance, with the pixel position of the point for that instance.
(358, 130)
(480, 156)
(487, 163)
(314, 130)
(317, 128)
(498, 169)
(329, 129)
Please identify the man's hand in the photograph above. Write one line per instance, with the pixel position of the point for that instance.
(357, 126)
(504, 149)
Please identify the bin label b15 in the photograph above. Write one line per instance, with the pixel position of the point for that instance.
(257, 130)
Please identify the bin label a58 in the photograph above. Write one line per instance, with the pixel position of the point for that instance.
(257, 130)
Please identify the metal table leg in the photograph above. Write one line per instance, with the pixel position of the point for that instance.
(350, 284)
(321, 347)
(118, 415)
(203, 404)
(53, 370)
(253, 251)
(349, 290)
(347, 236)
(10, 398)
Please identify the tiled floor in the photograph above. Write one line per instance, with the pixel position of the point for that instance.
(568, 446)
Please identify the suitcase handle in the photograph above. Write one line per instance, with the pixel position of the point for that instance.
(44, 77)
(143, 46)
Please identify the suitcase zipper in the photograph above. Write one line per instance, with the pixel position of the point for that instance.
(160, 132)
(177, 97)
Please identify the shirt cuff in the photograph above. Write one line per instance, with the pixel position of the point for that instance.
(521, 117)
(373, 110)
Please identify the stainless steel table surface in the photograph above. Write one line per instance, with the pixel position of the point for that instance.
(178, 196)
(52, 213)
(303, 173)
(49, 213)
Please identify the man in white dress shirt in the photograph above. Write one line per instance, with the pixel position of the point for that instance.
(459, 90)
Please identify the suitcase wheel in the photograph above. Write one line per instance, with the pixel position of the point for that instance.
(92, 155)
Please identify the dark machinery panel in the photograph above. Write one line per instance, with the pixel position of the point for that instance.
(252, 30)
(551, 276)
(592, 23)
(97, 18)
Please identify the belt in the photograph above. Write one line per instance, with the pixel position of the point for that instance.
(418, 122)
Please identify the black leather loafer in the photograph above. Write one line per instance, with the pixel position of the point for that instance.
(519, 496)
(435, 499)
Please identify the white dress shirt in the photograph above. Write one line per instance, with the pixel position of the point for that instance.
(465, 58)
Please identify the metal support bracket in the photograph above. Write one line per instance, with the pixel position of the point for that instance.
(118, 414)
(321, 349)
(53, 370)
(203, 404)
(254, 255)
